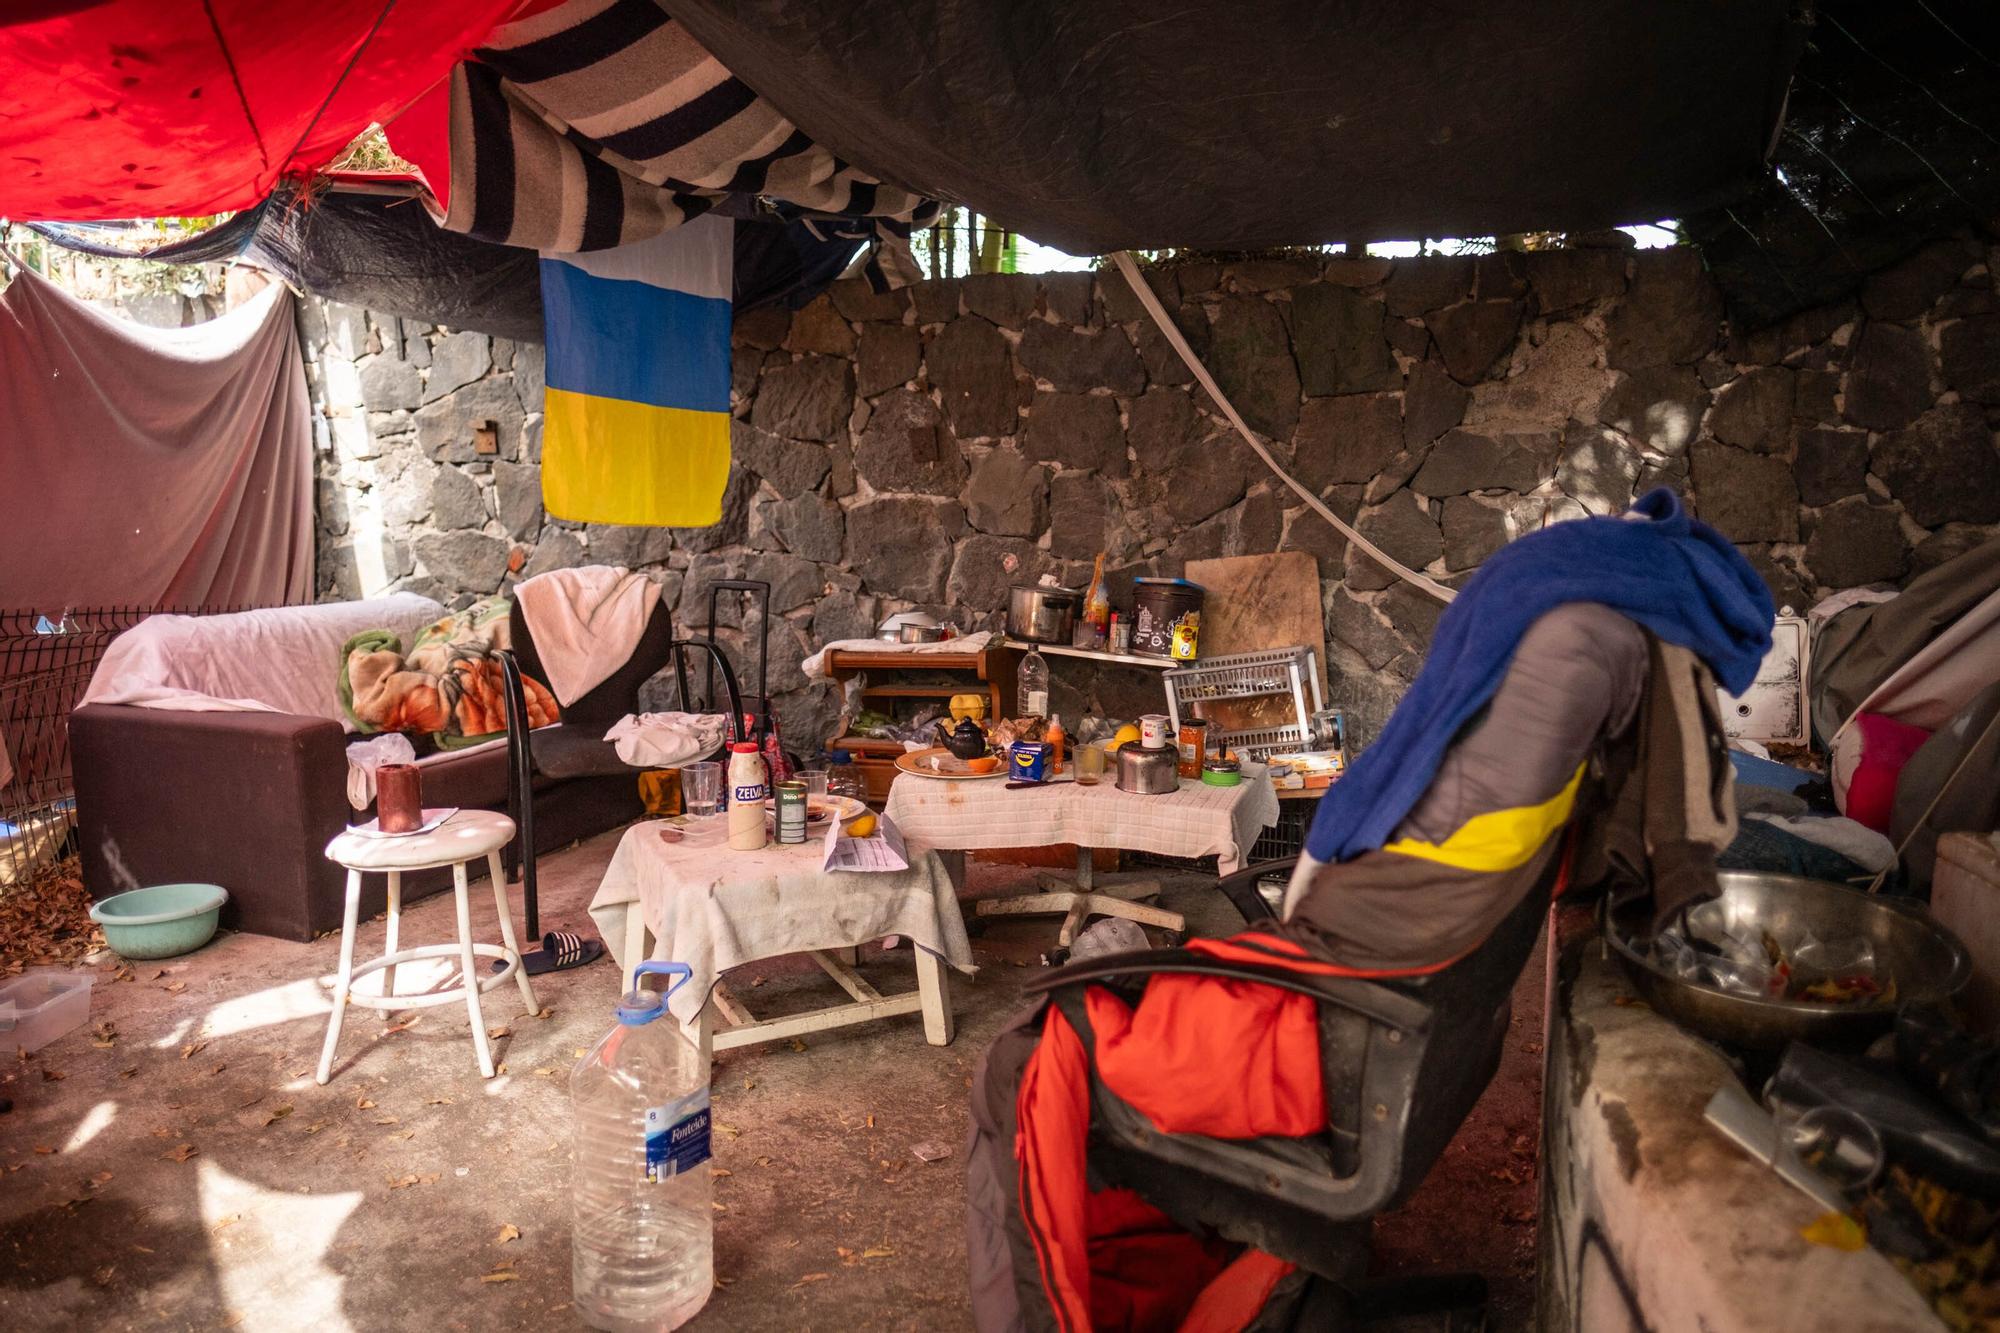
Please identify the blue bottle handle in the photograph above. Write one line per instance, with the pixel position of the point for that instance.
(681, 973)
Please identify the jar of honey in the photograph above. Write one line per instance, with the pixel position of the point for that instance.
(1194, 746)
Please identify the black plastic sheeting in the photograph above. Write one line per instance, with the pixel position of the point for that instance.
(1889, 141)
(381, 251)
(1125, 124)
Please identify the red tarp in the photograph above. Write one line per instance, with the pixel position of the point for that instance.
(175, 108)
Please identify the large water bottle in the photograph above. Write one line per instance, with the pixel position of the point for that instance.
(643, 1242)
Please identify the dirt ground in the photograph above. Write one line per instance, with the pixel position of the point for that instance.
(174, 1166)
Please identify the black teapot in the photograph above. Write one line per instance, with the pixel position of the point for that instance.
(965, 741)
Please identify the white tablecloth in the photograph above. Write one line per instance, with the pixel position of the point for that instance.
(1197, 820)
(714, 909)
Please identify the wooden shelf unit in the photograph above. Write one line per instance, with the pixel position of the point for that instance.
(988, 672)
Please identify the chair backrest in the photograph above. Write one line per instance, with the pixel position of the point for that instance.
(617, 694)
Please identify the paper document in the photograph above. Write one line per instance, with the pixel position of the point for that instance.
(881, 850)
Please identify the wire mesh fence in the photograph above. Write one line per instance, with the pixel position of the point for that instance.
(46, 661)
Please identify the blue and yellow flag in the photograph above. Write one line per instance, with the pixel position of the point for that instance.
(636, 419)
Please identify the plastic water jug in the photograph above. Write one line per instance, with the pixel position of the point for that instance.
(643, 1241)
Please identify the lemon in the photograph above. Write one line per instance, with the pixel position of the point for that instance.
(1125, 735)
(860, 826)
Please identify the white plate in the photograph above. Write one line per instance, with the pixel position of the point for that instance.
(844, 807)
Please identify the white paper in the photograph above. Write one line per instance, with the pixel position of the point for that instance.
(433, 817)
(883, 850)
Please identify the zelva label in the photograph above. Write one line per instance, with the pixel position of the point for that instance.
(677, 1136)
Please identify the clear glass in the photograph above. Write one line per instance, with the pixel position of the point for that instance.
(1090, 765)
(642, 1252)
(701, 788)
(815, 780)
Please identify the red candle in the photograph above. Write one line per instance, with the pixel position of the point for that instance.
(399, 798)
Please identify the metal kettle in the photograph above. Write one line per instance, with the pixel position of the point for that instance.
(965, 741)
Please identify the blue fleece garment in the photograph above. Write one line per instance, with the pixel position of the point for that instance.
(1679, 578)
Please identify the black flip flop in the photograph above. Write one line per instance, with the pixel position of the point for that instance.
(561, 950)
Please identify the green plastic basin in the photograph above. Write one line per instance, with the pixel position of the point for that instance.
(160, 922)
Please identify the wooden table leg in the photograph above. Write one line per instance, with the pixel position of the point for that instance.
(934, 986)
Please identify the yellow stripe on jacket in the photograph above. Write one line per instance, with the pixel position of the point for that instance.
(1499, 839)
(609, 460)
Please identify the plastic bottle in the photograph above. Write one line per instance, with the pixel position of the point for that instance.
(844, 776)
(1097, 606)
(749, 784)
(643, 1230)
(1056, 737)
(1033, 689)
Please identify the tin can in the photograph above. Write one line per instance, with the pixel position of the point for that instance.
(1154, 730)
(791, 812)
(1028, 761)
(1121, 634)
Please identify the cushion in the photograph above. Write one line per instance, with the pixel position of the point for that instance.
(282, 660)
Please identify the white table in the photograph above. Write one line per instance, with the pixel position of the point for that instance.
(700, 903)
(1194, 820)
(465, 836)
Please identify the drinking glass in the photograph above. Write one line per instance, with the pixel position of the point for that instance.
(815, 780)
(1090, 765)
(701, 788)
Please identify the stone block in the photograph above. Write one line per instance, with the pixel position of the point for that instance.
(795, 582)
(1474, 336)
(1944, 467)
(1747, 497)
(1251, 358)
(843, 615)
(1006, 299)
(1115, 296)
(1007, 495)
(1909, 288)
(1346, 440)
(1433, 403)
(450, 428)
(1358, 270)
(855, 299)
(1947, 543)
(1566, 280)
(1830, 464)
(1755, 412)
(456, 501)
(1078, 360)
(1413, 612)
(765, 327)
(791, 466)
(1787, 588)
(390, 384)
(1076, 430)
(907, 446)
(1080, 507)
(1402, 528)
(818, 327)
(1269, 275)
(1971, 356)
(629, 546)
(558, 548)
(1888, 377)
(1068, 297)
(1856, 541)
(1338, 336)
(456, 361)
(466, 561)
(1500, 275)
(985, 567)
(1164, 429)
(973, 368)
(811, 526)
(902, 546)
(1356, 624)
(1816, 396)
(888, 358)
(1306, 530)
(732, 528)
(1472, 531)
(807, 399)
(1671, 313)
(1162, 361)
(744, 363)
(937, 301)
(1463, 461)
(530, 376)
(1596, 469)
(1656, 407)
(1419, 285)
(517, 493)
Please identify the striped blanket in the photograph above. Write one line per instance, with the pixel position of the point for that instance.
(598, 123)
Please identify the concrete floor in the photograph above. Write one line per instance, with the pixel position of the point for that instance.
(174, 1166)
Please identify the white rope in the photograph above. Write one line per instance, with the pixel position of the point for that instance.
(1144, 291)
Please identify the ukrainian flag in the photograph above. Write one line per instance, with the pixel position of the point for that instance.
(636, 418)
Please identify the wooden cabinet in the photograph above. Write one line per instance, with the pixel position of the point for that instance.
(901, 684)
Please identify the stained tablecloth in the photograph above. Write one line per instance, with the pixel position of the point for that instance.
(714, 909)
(1197, 820)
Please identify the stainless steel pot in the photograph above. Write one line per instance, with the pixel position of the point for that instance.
(1045, 615)
(1149, 772)
(1925, 960)
(920, 634)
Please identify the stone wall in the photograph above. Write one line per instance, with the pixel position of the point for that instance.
(931, 446)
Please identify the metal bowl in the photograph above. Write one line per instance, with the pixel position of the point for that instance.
(1924, 959)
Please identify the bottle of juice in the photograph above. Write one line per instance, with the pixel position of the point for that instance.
(1097, 605)
(1056, 737)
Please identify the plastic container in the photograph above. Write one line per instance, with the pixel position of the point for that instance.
(164, 921)
(45, 1004)
(643, 1230)
(749, 787)
(1166, 618)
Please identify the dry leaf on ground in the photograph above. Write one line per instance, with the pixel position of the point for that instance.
(507, 1233)
(181, 1153)
(193, 1049)
(176, 987)
(502, 1272)
(278, 1113)
(498, 1031)
(809, 1277)
(103, 1036)
(53, 1076)
(364, 1104)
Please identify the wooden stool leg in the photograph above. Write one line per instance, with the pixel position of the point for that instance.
(342, 979)
(395, 929)
(499, 879)
(468, 964)
(934, 988)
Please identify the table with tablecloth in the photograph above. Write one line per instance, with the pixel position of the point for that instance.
(697, 902)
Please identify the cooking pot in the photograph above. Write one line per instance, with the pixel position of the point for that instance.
(1045, 615)
(891, 630)
(1149, 770)
(920, 634)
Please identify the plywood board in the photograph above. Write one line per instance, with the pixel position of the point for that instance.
(1256, 602)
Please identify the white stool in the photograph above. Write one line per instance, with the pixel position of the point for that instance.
(461, 838)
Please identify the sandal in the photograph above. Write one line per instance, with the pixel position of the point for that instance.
(561, 950)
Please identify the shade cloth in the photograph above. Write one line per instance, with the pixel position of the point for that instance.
(714, 909)
(1196, 820)
(164, 467)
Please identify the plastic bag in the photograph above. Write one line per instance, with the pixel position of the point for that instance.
(364, 757)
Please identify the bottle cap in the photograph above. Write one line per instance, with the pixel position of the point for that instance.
(842, 757)
(743, 747)
(637, 1007)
